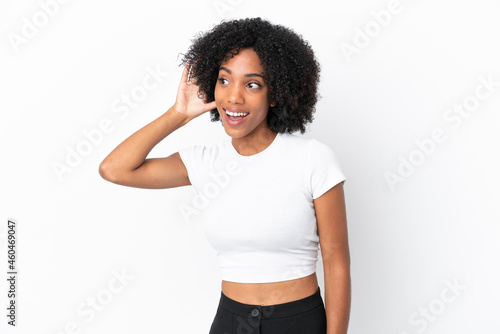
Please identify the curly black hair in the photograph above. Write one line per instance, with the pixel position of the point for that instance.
(291, 70)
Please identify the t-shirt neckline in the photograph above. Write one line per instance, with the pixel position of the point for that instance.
(258, 154)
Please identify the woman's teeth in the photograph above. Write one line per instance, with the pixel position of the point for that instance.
(236, 114)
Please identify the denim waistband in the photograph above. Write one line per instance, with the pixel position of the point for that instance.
(272, 311)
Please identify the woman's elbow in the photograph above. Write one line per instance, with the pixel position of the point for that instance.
(107, 172)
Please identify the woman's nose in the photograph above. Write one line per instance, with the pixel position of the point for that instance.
(235, 95)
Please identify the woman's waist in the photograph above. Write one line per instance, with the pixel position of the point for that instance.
(271, 293)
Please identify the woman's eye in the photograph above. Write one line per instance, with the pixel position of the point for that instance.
(256, 85)
(252, 85)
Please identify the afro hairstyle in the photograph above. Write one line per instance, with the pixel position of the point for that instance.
(291, 70)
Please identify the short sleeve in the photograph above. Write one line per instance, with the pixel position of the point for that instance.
(324, 168)
(192, 158)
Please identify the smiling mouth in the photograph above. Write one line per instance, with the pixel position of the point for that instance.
(235, 115)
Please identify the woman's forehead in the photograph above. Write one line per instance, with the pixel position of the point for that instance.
(244, 59)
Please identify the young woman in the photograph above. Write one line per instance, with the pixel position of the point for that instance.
(277, 198)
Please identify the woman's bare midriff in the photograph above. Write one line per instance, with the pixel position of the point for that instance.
(271, 293)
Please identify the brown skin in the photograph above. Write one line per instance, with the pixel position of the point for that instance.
(332, 229)
(127, 165)
(241, 86)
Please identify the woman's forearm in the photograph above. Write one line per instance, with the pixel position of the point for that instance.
(337, 298)
(132, 152)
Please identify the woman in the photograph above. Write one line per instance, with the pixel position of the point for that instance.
(270, 197)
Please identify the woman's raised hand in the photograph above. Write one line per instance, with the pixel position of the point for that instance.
(187, 102)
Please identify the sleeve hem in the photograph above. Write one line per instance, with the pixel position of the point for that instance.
(327, 186)
(184, 154)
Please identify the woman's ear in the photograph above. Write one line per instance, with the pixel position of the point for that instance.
(272, 104)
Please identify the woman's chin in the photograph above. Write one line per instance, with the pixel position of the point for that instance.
(232, 132)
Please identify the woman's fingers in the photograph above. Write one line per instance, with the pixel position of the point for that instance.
(186, 71)
(188, 99)
(189, 73)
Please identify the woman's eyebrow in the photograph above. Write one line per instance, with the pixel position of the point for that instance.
(246, 75)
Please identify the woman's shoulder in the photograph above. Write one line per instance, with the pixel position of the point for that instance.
(299, 141)
(310, 149)
(206, 150)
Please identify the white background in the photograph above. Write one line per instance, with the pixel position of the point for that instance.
(438, 225)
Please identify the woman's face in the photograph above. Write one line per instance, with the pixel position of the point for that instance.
(241, 91)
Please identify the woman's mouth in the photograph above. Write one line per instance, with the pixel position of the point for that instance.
(235, 118)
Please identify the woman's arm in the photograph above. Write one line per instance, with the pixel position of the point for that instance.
(332, 229)
(127, 164)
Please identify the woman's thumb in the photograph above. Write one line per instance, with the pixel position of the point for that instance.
(211, 105)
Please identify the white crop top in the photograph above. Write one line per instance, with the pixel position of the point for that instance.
(258, 211)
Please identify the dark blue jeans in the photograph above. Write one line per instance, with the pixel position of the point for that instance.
(303, 316)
